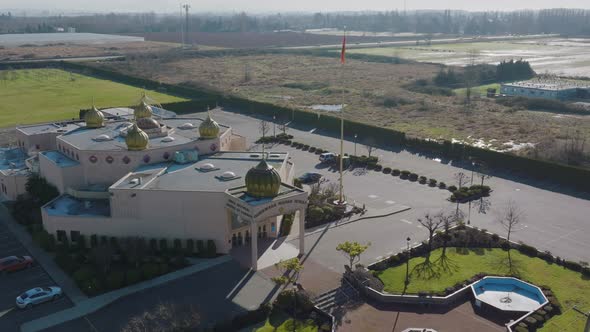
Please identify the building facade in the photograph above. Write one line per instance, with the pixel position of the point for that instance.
(556, 89)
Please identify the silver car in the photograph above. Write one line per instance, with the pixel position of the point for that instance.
(37, 295)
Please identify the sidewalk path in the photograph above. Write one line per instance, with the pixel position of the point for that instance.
(96, 303)
(42, 258)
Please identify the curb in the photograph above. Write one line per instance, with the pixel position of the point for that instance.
(96, 303)
(331, 225)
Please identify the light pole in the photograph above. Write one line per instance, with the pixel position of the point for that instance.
(408, 262)
(274, 124)
(355, 136)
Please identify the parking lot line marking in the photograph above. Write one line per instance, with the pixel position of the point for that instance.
(406, 221)
(379, 258)
(373, 196)
(90, 323)
(420, 226)
(5, 312)
(389, 202)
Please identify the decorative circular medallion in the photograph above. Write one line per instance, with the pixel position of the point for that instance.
(166, 155)
(93, 159)
(126, 160)
(109, 159)
(213, 147)
(146, 159)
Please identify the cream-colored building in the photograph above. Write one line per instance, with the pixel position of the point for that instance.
(130, 173)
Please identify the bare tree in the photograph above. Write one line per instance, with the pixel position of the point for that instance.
(461, 179)
(263, 127)
(283, 127)
(164, 317)
(573, 148)
(510, 218)
(103, 256)
(432, 225)
(370, 146)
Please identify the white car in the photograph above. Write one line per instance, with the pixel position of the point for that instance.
(37, 295)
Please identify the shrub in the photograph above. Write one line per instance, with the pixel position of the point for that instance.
(432, 182)
(405, 174)
(315, 214)
(546, 256)
(312, 149)
(495, 237)
(81, 242)
(540, 319)
(521, 329)
(114, 243)
(531, 321)
(422, 179)
(92, 286)
(66, 262)
(528, 250)
(132, 276)
(163, 245)
(586, 272)
(177, 246)
(115, 279)
(211, 248)
(396, 172)
(442, 185)
(413, 177)
(104, 240)
(149, 270)
(378, 168)
(575, 266)
(200, 247)
(452, 188)
(93, 241)
(288, 299)
(387, 170)
(190, 246)
(163, 268)
(85, 273)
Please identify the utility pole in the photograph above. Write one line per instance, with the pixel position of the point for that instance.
(186, 8)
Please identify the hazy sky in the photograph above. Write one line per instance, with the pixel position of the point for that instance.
(283, 5)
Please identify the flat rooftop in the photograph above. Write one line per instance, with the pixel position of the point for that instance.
(56, 127)
(85, 138)
(199, 176)
(60, 159)
(552, 85)
(12, 161)
(66, 205)
(284, 191)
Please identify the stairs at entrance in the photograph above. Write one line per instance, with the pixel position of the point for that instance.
(336, 297)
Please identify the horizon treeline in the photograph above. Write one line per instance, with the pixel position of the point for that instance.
(570, 22)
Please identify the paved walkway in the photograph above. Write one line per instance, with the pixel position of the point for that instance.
(93, 304)
(43, 258)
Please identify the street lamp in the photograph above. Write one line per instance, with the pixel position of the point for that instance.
(355, 136)
(274, 124)
(408, 262)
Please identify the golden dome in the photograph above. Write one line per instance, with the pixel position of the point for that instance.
(94, 118)
(209, 128)
(143, 110)
(147, 123)
(263, 181)
(136, 139)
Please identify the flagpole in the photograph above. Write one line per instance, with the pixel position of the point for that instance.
(341, 201)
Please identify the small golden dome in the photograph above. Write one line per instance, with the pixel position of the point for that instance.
(209, 128)
(94, 118)
(263, 181)
(147, 123)
(136, 139)
(143, 110)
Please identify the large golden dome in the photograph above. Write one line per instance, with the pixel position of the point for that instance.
(94, 118)
(209, 128)
(263, 181)
(143, 110)
(136, 139)
(147, 123)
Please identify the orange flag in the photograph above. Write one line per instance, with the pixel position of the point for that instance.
(343, 52)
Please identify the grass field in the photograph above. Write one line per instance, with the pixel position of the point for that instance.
(279, 322)
(569, 287)
(43, 95)
(481, 90)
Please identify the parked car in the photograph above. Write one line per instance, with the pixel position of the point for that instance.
(15, 263)
(310, 178)
(37, 296)
(332, 158)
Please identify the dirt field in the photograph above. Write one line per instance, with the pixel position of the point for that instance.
(75, 50)
(570, 57)
(265, 39)
(303, 81)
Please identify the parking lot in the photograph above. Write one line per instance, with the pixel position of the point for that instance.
(13, 284)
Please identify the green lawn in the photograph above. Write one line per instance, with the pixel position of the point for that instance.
(481, 90)
(569, 287)
(42, 95)
(280, 322)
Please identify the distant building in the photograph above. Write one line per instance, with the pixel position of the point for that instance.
(558, 89)
(71, 30)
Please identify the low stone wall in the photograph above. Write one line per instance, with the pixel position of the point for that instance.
(460, 295)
